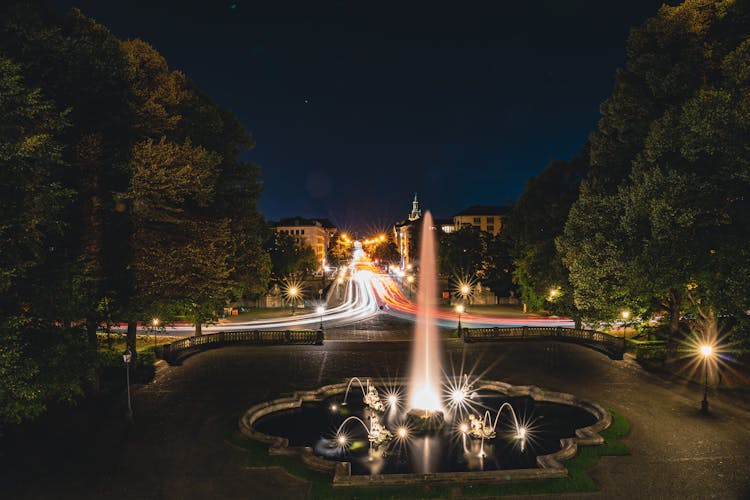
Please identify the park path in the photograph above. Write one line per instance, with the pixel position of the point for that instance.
(177, 448)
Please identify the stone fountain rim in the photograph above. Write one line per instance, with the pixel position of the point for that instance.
(549, 466)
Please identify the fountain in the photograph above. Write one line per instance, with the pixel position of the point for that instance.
(426, 413)
(444, 425)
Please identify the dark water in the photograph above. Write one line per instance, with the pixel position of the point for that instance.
(314, 425)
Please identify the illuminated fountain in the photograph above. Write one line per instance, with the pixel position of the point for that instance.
(429, 423)
(426, 412)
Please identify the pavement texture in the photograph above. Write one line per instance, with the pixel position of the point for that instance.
(177, 448)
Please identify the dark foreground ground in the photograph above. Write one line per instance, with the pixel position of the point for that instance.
(177, 447)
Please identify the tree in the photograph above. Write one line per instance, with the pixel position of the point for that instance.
(386, 252)
(535, 221)
(289, 257)
(340, 249)
(661, 214)
(31, 204)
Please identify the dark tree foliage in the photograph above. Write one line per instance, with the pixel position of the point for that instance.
(535, 221)
(477, 255)
(386, 252)
(121, 195)
(662, 217)
(290, 258)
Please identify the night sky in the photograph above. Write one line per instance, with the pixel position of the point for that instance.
(356, 105)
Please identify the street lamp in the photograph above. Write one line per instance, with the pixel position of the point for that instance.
(459, 310)
(293, 293)
(410, 280)
(706, 351)
(126, 357)
(625, 315)
(320, 311)
(155, 325)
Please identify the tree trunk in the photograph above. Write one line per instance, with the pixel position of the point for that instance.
(198, 329)
(91, 327)
(578, 323)
(132, 330)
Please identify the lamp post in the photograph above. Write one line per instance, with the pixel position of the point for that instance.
(625, 315)
(320, 310)
(293, 292)
(410, 280)
(706, 351)
(126, 357)
(459, 310)
(155, 325)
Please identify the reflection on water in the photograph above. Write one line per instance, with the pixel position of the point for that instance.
(449, 450)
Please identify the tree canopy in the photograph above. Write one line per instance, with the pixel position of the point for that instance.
(122, 195)
(662, 215)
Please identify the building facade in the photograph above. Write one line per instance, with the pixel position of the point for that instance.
(489, 218)
(402, 232)
(315, 233)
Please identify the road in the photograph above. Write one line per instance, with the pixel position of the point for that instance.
(177, 447)
(367, 292)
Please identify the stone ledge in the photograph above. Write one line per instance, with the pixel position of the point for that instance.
(549, 466)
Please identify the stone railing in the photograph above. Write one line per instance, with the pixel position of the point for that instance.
(612, 346)
(182, 348)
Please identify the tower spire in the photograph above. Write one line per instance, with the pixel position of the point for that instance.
(416, 213)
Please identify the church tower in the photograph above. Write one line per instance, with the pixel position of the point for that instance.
(416, 213)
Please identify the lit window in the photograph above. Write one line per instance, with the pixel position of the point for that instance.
(477, 220)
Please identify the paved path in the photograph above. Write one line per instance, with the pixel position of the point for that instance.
(177, 447)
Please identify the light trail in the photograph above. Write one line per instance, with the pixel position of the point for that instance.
(367, 293)
(359, 303)
(399, 305)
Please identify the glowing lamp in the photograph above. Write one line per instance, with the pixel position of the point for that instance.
(460, 308)
(458, 396)
(341, 440)
(706, 350)
(464, 428)
(402, 432)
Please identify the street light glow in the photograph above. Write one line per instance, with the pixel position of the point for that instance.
(155, 321)
(625, 314)
(320, 309)
(460, 308)
(706, 350)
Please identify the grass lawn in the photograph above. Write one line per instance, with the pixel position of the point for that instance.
(577, 481)
(257, 313)
(496, 310)
(117, 341)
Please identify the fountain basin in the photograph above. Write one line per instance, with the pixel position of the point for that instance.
(340, 465)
